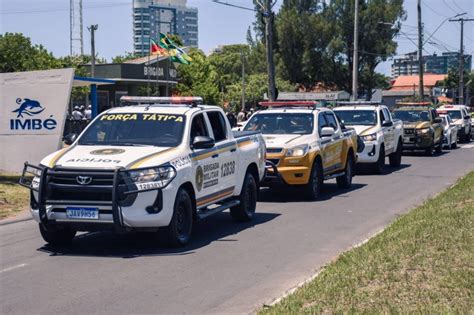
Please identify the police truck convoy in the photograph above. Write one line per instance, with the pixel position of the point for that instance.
(152, 166)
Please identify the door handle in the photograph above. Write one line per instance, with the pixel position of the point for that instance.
(215, 155)
(233, 150)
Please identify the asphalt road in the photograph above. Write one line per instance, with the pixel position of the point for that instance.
(229, 267)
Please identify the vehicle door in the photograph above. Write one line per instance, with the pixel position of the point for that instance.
(331, 146)
(226, 157)
(388, 131)
(202, 160)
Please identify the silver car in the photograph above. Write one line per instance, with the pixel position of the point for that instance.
(450, 140)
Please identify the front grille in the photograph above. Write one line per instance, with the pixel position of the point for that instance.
(409, 131)
(63, 185)
(274, 150)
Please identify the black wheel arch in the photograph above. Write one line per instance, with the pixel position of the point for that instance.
(190, 190)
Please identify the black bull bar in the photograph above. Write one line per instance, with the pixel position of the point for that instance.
(36, 179)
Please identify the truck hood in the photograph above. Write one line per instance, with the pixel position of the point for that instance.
(285, 141)
(363, 130)
(417, 125)
(106, 157)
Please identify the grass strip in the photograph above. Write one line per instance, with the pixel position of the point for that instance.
(422, 263)
(13, 197)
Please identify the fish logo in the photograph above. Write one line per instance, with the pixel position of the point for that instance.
(27, 107)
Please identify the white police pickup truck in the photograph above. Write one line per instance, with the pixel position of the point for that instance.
(152, 166)
(382, 135)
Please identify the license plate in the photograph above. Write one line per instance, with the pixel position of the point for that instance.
(82, 213)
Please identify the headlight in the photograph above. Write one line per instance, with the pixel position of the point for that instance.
(300, 150)
(423, 131)
(159, 176)
(371, 137)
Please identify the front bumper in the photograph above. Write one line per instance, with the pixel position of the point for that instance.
(417, 142)
(370, 153)
(285, 175)
(122, 207)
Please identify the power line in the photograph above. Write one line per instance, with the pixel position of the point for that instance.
(234, 5)
(450, 7)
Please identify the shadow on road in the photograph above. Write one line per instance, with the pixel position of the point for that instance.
(367, 170)
(131, 245)
(423, 154)
(294, 194)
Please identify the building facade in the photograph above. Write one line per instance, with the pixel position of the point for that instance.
(437, 64)
(152, 17)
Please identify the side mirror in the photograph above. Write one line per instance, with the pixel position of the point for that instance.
(437, 120)
(466, 117)
(70, 138)
(203, 142)
(327, 132)
(387, 123)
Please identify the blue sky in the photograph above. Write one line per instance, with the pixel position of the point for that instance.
(46, 22)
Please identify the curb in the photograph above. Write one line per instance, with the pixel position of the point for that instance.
(19, 218)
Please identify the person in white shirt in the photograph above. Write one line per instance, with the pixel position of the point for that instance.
(76, 114)
(88, 112)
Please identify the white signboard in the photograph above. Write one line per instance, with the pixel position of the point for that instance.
(32, 114)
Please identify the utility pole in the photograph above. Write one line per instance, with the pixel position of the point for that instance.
(268, 15)
(420, 54)
(461, 58)
(242, 55)
(355, 56)
(92, 29)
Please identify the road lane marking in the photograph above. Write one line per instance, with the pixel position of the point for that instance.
(13, 268)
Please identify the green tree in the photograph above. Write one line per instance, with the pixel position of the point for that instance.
(123, 58)
(17, 53)
(198, 78)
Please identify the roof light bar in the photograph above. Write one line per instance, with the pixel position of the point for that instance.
(414, 104)
(191, 100)
(355, 103)
(311, 104)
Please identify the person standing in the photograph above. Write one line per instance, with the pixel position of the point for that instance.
(88, 113)
(76, 113)
(241, 116)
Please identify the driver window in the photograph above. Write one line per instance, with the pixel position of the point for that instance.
(198, 127)
(331, 121)
(321, 122)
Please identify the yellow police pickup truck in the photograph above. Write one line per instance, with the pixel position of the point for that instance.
(423, 128)
(305, 146)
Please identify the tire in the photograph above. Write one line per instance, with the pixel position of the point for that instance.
(429, 151)
(313, 188)
(396, 157)
(380, 164)
(439, 147)
(57, 234)
(345, 181)
(178, 232)
(245, 211)
(454, 145)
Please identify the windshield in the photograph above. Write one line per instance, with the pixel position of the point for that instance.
(357, 117)
(135, 129)
(412, 115)
(454, 114)
(281, 123)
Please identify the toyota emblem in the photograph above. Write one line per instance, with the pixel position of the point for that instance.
(83, 180)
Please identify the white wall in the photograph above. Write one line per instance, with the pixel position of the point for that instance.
(30, 130)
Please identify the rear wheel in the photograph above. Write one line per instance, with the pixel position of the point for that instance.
(396, 157)
(313, 188)
(57, 234)
(380, 164)
(248, 200)
(345, 181)
(178, 232)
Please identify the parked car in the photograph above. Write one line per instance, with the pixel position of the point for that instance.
(305, 146)
(157, 165)
(422, 127)
(461, 118)
(382, 135)
(450, 132)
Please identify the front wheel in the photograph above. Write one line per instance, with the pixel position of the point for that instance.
(396, 157)
(313, 187)
(430, 149)
(57, 234)
(380, 164)
(439, 148)
(345, 181)
(248, 200)
(178, 232)
(454, 145)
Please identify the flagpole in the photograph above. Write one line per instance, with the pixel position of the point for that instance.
(157, 76)
(148, 69)
(168, 73)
